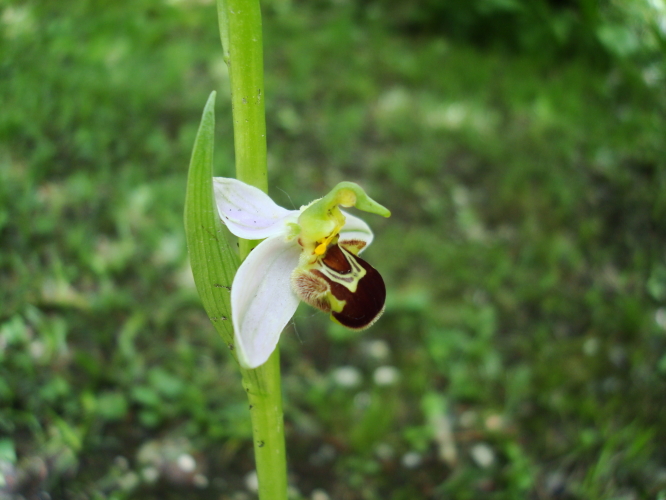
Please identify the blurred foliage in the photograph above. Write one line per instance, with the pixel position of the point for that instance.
(520, 146)
(603, 31)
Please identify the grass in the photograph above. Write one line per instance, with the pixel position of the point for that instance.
(526, 318)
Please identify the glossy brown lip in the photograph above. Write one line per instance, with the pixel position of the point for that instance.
(362, 307)
(336, 259)
(355, 285)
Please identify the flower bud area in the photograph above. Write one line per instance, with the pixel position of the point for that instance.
(342, 284)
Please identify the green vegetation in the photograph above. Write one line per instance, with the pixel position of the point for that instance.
(523, 350)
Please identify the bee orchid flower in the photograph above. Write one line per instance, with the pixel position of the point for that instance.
(309, 254)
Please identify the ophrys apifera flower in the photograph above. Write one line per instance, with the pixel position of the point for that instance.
(309, 254)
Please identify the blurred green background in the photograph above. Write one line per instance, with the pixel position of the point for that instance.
(521, 148)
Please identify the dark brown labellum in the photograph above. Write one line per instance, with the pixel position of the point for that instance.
(337, 274)
(365, 306)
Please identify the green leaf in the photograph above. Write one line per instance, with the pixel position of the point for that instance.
(112, 405)
(213, 262)
(7, 452)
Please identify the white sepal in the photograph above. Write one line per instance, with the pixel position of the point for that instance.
(262, 302)
(355, 229)
(248, 212)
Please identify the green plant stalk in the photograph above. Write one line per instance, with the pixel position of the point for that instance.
(240, 30)
(241, 35)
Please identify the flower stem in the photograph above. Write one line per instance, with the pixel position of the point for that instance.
(264, 394)
(242, 46)
(240, 31)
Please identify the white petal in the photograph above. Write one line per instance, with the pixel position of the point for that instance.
(248, 212)
(262, 302)
(355, 229)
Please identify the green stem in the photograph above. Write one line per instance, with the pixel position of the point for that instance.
(240, 31)
(264, 394)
